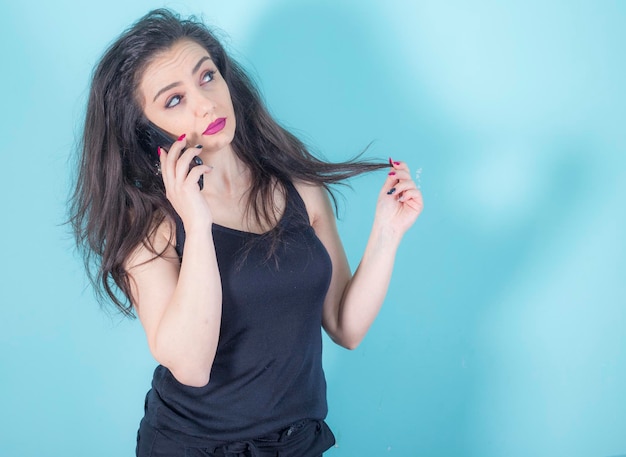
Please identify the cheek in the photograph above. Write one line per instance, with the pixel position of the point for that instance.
(154, 116)
(228, 104)
(227, 99)
(171, 125)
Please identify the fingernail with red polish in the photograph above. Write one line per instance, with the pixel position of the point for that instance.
(390, 162)
(392, 173)
(182, 137)
(396, 163)
(159, 150)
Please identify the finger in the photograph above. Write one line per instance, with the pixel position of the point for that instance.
(162, 153)
(172, 157)
(398, 165)
(396, 188)
(394, 178)
(186, 160)
(196, 173)
(399, 174)
(412, 198)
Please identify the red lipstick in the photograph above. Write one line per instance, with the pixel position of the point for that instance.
(216, 126)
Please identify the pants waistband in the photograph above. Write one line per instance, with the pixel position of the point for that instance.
(273, 441)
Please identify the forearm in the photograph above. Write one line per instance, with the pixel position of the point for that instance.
(365, 292)
(187, 335)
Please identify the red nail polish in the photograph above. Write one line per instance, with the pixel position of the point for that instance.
(159, 150)
(396, 163)
(182, 137)
(392, 173)
(390, 162)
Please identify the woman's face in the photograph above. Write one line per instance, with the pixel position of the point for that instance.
(183, 92)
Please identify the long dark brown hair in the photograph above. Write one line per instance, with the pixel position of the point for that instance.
(118, 200)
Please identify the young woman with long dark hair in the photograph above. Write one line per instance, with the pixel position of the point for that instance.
(216, 225)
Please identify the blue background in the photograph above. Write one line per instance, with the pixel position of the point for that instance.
(504, 332)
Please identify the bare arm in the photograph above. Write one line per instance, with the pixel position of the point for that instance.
(180, 305)
(353, 302)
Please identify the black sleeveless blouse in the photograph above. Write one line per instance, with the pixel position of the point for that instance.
(267, 372)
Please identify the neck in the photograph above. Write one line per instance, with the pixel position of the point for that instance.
(230, 176)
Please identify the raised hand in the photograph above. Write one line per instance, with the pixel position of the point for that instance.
(181, 183)
(400, 201)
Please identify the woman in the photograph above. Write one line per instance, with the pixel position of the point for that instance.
(224, 245)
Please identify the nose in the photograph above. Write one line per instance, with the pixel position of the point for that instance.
(203, 103)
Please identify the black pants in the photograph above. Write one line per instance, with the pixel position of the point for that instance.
(308, 438)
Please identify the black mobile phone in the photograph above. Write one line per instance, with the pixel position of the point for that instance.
(151, 137)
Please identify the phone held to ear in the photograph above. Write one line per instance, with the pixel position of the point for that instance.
(151, 137)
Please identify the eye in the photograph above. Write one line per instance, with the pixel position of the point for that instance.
(208, 76)
(173, 101)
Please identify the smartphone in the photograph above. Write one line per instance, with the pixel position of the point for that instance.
(151, 137)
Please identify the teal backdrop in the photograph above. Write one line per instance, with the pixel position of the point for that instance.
(504, 331)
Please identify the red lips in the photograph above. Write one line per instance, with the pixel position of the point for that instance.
(216, 126)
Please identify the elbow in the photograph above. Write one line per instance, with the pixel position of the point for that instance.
(345, 339)
(191, 379)
(189, 370)
(189, 373)
(350, 343)
(192, 373)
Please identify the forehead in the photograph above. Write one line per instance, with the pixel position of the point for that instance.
(179, 53)
(170, 65)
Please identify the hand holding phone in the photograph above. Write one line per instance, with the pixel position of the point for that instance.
(152, 137)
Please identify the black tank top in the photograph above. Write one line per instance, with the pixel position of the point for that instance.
(267, 372)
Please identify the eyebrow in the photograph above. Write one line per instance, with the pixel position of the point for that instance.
(194, 71)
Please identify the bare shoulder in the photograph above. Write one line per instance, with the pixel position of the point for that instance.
(161, 241)
(316, 200)
(153, 269)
